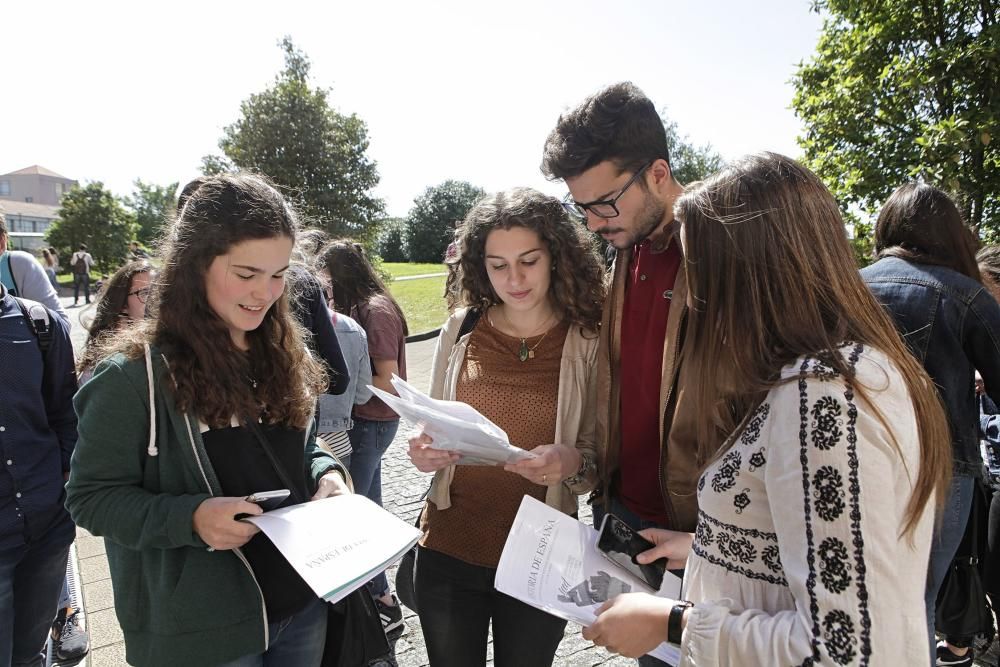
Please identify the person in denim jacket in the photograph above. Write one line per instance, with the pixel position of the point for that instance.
(334, 418)
(928, 280)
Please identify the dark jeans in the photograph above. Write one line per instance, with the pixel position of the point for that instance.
(81, 279)
(296, 641)
(456, 602)
(947, 537)
(31, 577)
(370, 439)
(615, 506)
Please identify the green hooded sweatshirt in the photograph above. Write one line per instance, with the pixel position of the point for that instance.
(178, 602)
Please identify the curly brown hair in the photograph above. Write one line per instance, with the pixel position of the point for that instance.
(212, 377)
(578, 282)
(108, 319)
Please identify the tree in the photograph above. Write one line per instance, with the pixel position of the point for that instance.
(315, 154)
(152, 205)
(688, 162)
(905, 90)
(391, 242)
(94, 216)
(430, 225)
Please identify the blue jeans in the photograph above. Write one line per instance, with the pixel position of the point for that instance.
(297, 641)
(614, 505)
(955, 515)
(31, 577)
(370, 440)
(81, 279)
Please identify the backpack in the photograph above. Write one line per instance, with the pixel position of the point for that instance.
(7, 275)
(79, 263)
(37, 317)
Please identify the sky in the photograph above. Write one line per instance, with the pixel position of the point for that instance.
(467, 90)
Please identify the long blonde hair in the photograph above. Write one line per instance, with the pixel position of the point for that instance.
(772, 279)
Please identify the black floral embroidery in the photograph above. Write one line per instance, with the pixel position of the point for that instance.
(722, 542)
(729, 470)
(736, 530)
(771, 558)
(838, 632)
(826, 414)
(823, 368)
(828, 490)
(701, 483)
(752, 431)
(742, 550)
(742, 501)
(704, 534)
(833, 565)
(757, 460)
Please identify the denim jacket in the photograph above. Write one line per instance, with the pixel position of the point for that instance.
(335, 410)
(952, 325)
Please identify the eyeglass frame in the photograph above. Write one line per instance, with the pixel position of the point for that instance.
(579, 209)
(138, 292)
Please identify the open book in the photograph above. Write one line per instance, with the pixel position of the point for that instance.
(337, 544)
(455, 426)
(551, 562)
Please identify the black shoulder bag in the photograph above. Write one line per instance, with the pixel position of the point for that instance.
(354, 634)
(405, 585)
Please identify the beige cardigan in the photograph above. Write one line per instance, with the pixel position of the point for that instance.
(574, 405)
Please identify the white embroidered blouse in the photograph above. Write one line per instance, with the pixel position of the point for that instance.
(797, 558)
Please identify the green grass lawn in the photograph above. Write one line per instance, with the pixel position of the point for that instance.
(398, 269)
(421, 300)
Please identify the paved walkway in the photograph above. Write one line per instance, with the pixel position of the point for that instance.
(402, 487)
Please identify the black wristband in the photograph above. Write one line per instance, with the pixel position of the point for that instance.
(674, 630)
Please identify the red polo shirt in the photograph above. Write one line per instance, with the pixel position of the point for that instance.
(648, 294)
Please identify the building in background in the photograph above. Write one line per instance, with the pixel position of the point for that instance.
(30, 199)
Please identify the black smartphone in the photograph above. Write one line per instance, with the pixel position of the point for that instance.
(269, 500)
(620, 544)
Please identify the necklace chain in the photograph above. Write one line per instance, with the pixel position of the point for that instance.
(524, 352)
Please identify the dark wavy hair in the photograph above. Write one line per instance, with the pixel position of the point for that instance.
(578, 280)
(108, 318)
(212, 377)
(353, 279)
(921, 224)
(618, 123)
(988, 259)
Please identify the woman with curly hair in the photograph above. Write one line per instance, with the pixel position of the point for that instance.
(206, 402)
(122, 301)
(521, 350)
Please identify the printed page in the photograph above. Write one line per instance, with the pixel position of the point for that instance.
(454, 426)
(551, 562)
(337, 544)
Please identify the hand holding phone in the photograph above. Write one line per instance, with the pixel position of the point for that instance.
(621, 544)
(269, 500)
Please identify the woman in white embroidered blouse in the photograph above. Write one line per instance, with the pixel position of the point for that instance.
(816, 516)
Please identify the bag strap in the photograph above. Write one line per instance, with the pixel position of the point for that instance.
(37, 317)
(470, 321)
(282, 475)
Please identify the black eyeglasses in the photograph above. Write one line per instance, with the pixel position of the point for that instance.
(602, 208)
(141, 294)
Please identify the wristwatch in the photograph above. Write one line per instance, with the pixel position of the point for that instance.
(586, 465)
(674, 629)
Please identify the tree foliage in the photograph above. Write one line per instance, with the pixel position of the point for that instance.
(93, 215)
(152, 206)
(430, 224)
(689, 162)
(391, 242)
(905, 90)
(315, 154)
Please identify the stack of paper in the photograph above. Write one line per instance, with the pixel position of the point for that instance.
(454, 426)
(551, 562)
(337, 544)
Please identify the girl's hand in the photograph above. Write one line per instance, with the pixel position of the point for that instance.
(331, 484)
(670, 544)
(631, 624)
(215, 523)
(551, 465)
(427, 459)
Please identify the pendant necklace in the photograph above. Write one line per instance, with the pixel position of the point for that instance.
(524, 352)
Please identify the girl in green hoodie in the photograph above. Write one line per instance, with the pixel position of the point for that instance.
(172, 433)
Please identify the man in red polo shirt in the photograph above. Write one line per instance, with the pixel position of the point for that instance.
(612, 153)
